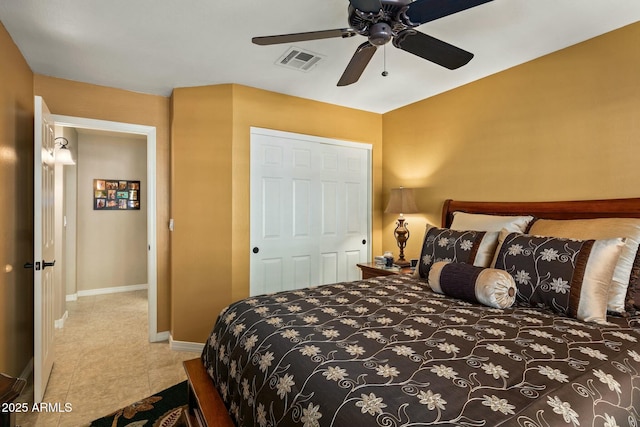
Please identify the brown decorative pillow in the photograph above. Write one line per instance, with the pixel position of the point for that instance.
(571, 277)
(444, 244)
(488, 286)
(624, 285)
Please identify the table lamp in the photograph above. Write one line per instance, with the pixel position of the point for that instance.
(401, 202)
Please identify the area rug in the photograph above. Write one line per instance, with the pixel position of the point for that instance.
(164, 409)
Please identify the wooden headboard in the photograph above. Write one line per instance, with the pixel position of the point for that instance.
(611, 208)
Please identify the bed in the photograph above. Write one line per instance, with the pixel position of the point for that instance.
(390, 351)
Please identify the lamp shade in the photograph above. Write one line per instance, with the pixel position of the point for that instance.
(402, 201)
(63, 156)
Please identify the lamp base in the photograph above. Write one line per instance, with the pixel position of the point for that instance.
(401, 233)
(402, 263)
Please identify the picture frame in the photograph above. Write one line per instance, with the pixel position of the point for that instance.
(116, 194)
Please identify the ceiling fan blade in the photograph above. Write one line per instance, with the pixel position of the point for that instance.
(301, 37)
(421, 11)
(358, 63)
(366, 5)
(432, 49)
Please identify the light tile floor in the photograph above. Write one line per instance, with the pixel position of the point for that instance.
(104, 361)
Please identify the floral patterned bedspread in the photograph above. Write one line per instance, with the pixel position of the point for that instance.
(389, 352)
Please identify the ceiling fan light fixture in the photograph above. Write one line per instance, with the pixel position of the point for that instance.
(380, 34)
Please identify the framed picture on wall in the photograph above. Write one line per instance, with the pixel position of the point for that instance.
(116, 194)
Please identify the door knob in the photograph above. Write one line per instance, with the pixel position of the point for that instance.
(46, 264)
(256, 250)
(35, 266)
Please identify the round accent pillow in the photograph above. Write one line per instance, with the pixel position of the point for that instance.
(488, 286)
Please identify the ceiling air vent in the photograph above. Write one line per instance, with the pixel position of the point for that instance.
(299, 59)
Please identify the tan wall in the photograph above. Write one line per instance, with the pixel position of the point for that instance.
(565, 126)
(70, 98)
(211, 131)
(16, 208)
(201, 207)
(112, 244)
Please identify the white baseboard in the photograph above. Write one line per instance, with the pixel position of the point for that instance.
(161, 336)
(72, 297)
(59, 324)
(112, 290)
(195, 347)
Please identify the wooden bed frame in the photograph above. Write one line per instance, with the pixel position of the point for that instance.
(206, 408)
(580, 209)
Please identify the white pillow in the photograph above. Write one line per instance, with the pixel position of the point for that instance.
(482, 222)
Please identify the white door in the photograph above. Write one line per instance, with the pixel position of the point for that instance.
(310, 210)
(43, 248)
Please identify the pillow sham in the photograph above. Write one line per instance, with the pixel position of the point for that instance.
(444, 244)
(488, 286)
(484, 222)
(570, 277)
(622, 293)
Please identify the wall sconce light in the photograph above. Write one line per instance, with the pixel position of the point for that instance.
(401, 201)
(63, 154)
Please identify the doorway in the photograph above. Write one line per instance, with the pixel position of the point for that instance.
(150, 133)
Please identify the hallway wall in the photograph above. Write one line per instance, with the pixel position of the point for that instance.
(112, 244)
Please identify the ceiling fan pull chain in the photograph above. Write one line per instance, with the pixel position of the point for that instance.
(385, 73)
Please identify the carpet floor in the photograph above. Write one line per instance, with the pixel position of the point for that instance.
(166, 409)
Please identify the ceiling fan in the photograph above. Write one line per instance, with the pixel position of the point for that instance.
(382, 21)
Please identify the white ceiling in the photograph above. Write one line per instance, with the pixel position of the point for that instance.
(153, 46)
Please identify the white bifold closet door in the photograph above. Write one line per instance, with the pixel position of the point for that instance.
(310, 210)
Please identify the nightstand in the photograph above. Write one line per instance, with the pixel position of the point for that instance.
(370, 269)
